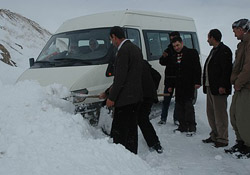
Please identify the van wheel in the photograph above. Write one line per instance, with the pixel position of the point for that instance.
(195, 96)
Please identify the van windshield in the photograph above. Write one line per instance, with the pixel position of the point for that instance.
(77, 48)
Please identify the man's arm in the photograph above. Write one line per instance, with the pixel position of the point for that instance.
(226, 66)
(197, 68)
(164, 59)
(244, 75)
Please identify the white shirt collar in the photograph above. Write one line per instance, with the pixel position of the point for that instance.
(122, 44)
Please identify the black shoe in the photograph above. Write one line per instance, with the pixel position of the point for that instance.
(192, 129)
(190, 134)
(208, 140)
(157, 147)
(220, 144)
(179, 130)
(239, 147)
(243, 156)
(245, 150)
(161, 122)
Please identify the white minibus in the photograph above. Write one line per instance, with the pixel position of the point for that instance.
(68, 58)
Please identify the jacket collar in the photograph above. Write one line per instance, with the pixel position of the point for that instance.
(246, 37)
(122, 44)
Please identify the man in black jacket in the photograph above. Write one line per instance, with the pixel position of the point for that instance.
(126, 91)
(166, 60)
(149, 97)
(217, 86)
(187, 73)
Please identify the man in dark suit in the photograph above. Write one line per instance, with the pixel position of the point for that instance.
(149, 87)
(125, 94)
(166, 60)
(217, 86)
(187, 78)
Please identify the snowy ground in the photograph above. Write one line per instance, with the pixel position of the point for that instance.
(40, 135)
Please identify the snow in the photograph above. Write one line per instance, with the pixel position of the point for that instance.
(40, 135)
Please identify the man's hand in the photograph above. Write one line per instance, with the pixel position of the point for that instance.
(237, 88)
(197, 86)
(103, 95)
(170, 89)
(222, 90)
(109, 103)
(164, 54)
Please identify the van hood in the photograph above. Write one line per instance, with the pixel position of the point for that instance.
(67, 76)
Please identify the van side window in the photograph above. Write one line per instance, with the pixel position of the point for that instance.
(156, 43)
(134, 36)
(187, 40)
(190, 40)
(196, 42)
(165, 41)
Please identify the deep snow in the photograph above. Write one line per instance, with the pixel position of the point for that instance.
(40, 135)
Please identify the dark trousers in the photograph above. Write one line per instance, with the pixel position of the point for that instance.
(186, 115)
(145, 125)
(166, 104)
(124, 127)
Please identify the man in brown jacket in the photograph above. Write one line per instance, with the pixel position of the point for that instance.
(240, 78)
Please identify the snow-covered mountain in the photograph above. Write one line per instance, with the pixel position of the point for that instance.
(20, 36)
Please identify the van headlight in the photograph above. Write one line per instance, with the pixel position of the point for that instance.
(78, 96)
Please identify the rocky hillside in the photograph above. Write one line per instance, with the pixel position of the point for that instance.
(20, 38)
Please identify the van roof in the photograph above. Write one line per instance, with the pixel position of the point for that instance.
(142, 19)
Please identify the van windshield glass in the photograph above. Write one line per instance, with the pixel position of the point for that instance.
(83, 47)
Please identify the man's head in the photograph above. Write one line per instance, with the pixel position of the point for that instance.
(73, 48)
(174, 34)
(93, 44)
(241, 27)
(177, 44)
(214, 37)
(117, 35)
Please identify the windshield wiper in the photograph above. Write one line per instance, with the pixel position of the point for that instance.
(73, 60)
(42, 62)
(45, 63)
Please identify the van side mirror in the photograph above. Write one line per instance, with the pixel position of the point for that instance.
(32, 61)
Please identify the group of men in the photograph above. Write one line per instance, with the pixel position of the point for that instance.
(133, 91)
(218, 77)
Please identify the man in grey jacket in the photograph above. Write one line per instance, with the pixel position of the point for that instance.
(125, 93)
(240, 78)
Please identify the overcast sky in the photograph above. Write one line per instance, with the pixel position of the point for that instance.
(207, 14)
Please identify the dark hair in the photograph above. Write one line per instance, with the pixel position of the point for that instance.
(242, 23)
(174, 33)
(117, 31)
(216, 34)
(175, 39)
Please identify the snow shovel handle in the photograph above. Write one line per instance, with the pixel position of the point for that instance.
(97, 96)
(163, 95)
